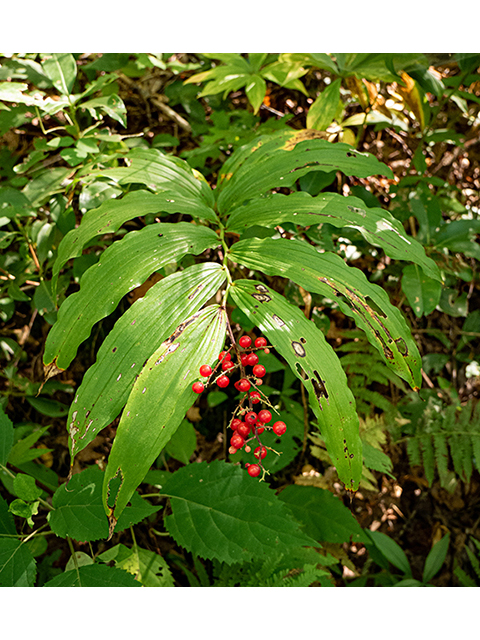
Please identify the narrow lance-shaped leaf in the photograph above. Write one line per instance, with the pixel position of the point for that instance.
(123, 266)
(158, 402)
(136, 335)
(314, 362)
(111, 214)
(278, 160)
(158, 171)
(377, 226)
(327, 274)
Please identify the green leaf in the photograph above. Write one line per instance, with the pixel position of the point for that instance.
(314, 362)
(95, 575)
(377, 226)
(7, 523)
(255, 90)
(322, 515)
(327, 274)
(111, 105)
(21, 451)
(122, 267)
(391, 551)
(48, 407)
(79, 512)
(26, 488)
(17, 565)
(111, 214)
(148, 567)
(61, 68)
(324, 109)
(183, 442)
(136, 335)
(436, 558)
(218, 512)
(160, 172)
(159, 400)
(279, 159)
(6, 436)
(423, 293)
(376, 459)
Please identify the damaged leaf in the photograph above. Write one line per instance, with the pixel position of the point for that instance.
(136, 335)
(124, 266)
(327, 274)
(158, 402)
(314, 362)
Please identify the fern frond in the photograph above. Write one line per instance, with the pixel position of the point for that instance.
(446, 438)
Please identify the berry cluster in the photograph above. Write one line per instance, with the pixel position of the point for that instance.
(247, 424)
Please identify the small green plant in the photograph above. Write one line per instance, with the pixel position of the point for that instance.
(156, 349)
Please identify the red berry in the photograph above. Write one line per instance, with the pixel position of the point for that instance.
(252, 359)
(243, 385)
(264, 416)
(254, 470)
(258, 430)
(235, 422)
(279, 428)
(237, 441)
(260, 453)
(223, 381)
(251, 417)
(260, 342)
(223, 355)
(244, 358)
(227, 364)
(243, 429)
(232, 451)
(205, 370)
(245, 341)
(259, 370)
(255, 397)
(198, 387)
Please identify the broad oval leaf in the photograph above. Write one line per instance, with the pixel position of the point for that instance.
(279, 159)
(327, 274)
(135, 336)
(314, 362)
(219, 512)
(377, 226)
(158, 402)
(124, 266)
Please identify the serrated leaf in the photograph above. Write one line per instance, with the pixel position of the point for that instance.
(136, 335)
(79, 512)
(218, 512)
(17, 565)
(124, 266)
(279, 159)
(322, 516)
(158, 402)
(327, 274)
(377, 226)
(94, 575)
(314, 362)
